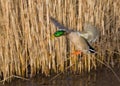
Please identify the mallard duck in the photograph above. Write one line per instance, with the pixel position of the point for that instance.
(81, 40)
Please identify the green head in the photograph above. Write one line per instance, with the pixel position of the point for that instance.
(59, 33)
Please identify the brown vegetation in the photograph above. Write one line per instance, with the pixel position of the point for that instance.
(25, 30)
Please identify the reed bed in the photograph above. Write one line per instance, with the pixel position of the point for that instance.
(26, 48)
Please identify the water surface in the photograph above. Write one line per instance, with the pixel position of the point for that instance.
(101, 77)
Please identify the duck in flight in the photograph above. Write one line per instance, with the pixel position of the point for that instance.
(81, 40)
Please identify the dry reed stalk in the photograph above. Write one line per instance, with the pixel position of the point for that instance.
(25, 31)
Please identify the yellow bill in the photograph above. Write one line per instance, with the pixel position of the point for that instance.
(52, 37)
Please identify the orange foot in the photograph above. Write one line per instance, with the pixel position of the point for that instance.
(77, 52)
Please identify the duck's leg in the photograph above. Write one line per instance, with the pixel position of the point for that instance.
(77, 52)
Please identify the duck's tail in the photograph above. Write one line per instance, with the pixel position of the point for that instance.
(91, 50)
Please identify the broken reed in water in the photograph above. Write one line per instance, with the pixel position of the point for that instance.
(25, 30)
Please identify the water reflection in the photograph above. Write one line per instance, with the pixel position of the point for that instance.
(103, 77)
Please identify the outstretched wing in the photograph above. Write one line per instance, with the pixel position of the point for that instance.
(57, 24)
(80, 42)
(90, 32)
